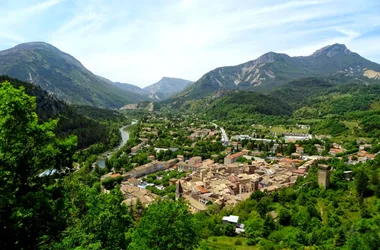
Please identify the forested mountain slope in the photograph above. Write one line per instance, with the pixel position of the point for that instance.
(88, 130)
(58, 72)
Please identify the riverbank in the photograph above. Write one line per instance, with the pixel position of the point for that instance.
(124, 138)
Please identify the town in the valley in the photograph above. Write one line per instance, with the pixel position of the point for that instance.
(206, 164)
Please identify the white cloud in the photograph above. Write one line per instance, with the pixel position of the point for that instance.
(16, 18)
(19, 16)
(350, 34)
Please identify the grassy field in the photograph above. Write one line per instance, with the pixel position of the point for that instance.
(351, 124)
(226, 243)
(308, 121)
(350, 137)
(283, 129)
(279, 129)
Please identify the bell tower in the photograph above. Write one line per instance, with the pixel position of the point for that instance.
(179, 191)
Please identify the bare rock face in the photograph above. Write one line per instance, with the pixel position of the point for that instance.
(372, 74)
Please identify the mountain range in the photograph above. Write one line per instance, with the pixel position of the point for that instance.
(274, 69)
(60, 73)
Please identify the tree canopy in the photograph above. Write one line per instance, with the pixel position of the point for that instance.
(165, 225)
(29, 203)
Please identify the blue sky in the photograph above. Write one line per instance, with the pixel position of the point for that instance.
(139, 41)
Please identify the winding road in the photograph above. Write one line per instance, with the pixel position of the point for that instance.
(225, 139)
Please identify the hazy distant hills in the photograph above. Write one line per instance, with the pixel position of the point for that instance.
(274, 69)
(161, 90)
(132, 88)
(55, 71)
(167, 87)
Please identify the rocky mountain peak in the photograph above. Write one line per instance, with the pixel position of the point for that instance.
(332, 50)
(271, 57)
(167, 87)
(35, 45)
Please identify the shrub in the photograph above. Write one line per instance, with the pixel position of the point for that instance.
(252, 241)
(229, 230)
(110, 183)
(238, 243)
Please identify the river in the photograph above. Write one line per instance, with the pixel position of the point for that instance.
(124, 138)
(101, 160)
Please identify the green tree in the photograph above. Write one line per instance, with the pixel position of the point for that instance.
(254, 226)
(95, 220)
(340, 239)
(29, 201)
(138, 210)
(291, 148)
(257, 195)
(229, 230)
(165, 225)
(284, 216)
(362, 181)
(269, 226)
(333, 220)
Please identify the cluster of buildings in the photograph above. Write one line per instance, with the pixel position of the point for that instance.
(234, 157)
(143, 170)
(147, 131)
(201, 133)
(135, 149)
(150, 168)
(208, 182)
(227, 184)
(288, 137)
(361, 156)
(293, 137)
(134, 193)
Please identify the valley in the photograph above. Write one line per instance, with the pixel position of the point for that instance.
(277, 153)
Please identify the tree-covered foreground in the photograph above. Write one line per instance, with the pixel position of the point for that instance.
(66, 208)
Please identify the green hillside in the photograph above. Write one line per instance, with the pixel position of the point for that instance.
(272, 70)
(60, 73)
(242, 104)
(87, 123)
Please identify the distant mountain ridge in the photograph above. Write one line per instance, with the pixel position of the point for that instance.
(310, 98)
(131, 88)
(161, 90)
(166, 87)
(60, 73)
(273, 69)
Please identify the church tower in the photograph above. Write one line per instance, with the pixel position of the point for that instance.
(179, 191)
